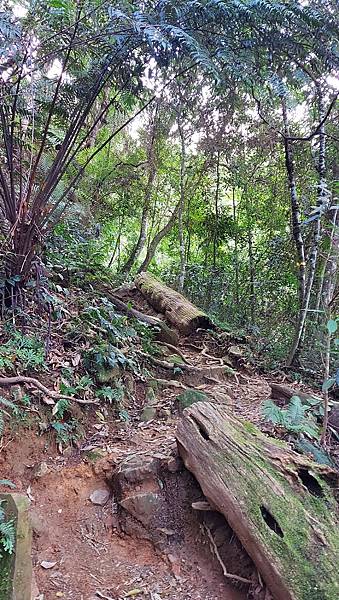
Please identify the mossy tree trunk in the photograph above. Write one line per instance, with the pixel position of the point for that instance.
(176, 308)
(280, 504)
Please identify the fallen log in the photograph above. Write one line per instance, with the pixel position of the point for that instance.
(179, 311)
(285, 393)
(165, 334)
(280, 504)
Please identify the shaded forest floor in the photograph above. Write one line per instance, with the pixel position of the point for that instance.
(122, 547)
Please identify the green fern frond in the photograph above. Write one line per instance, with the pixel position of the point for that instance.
(7, 403)
(7, 536)
(2, 423)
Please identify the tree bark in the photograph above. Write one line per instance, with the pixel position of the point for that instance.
(281, 505)
(322, 200)
(182, 272)
(216, 208)
(157, 239)
(136, 251)
(236, 250)
(295, 209)
(177, 310)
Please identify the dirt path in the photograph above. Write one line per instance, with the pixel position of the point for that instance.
(90, 554)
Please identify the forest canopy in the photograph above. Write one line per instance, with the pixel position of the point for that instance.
(197, 139)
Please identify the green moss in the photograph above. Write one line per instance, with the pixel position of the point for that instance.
(5, 570)
(305, 554)
(188, 397)
(248, 426)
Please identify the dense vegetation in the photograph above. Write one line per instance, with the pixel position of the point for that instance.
(197, 139)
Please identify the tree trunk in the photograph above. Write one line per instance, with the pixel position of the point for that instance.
(280, 504)
(236, 251)
(322, 200)
(252, 274)
(165, 334)
(295, 210)
(182, 273)
(136, 251)
(178, 310)
(216, 208)
(157, 239)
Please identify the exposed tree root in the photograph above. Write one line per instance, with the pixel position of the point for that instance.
(174, 349)
(4, 381)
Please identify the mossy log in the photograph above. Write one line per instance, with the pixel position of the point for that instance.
(179, 311)
(281, 505)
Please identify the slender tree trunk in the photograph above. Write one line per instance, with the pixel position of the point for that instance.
(182, 273)
(252, 274)
(216, 209)
(331, 267)
(295, 209)
(117, 242)
(322, 200)
(328, 274)
(157, 239)
(136, 251)
(236, 253)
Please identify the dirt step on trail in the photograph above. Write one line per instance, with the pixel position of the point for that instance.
(144, 540)
(89, 554)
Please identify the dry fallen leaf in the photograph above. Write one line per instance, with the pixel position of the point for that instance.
(134, 592)
(28, 492)
(75, 360)
(45, 564)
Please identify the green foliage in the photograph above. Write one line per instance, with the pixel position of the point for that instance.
(318, 454)
(112, 395)
(294, 418)
(21, 352)
(67, 432)
(5, 404)
(77, 387)
(60, 408)
(7, 532)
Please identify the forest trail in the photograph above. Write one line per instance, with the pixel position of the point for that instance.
(94, 553)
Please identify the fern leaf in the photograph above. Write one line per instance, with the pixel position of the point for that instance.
(273, 413)
(295, 411)
(7, 536)
(7, 403)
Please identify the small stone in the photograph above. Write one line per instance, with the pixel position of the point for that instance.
(99, 497)
(45, 564)
(142, 506)
(41, 470)
(151, 397)
(108, 375)
(165, 413)
(148, 413)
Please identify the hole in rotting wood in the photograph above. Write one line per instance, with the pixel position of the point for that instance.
(311, 483)
(271, 521)
(202, 430)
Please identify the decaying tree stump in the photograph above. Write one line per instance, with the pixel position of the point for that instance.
(280, 504)
(177, 309)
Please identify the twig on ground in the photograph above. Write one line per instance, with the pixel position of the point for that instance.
(219, 559)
